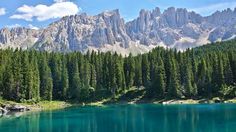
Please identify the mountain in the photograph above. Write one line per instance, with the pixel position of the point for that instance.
(173, 28)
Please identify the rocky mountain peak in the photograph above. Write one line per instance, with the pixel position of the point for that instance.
(156, 12)
(82, 31)
(108, 13)
(107, 31)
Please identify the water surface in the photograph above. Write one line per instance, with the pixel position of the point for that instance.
(127, 118)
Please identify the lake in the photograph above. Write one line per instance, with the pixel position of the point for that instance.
(127, 118)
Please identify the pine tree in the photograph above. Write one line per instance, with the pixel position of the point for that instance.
(174, 84)
(46, 84)
(158, 82)
(8, 83)
(228, 73)
(98, 72)
(19, 90)
(64, 80)
(167, 66)
(232, 61)
(26, 73)
(55, 66)
(85, 78)
(106, 72)
(118, 72)
(75, 87)
(112, 73)
(217, 74)
(145, 71)
(29, 83)
(93, 77)
(130, 71)
(36, 79)
(221, 73)
(203, 82)
(138, 72)
(188, 81)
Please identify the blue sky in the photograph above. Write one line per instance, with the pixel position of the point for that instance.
(39, 13)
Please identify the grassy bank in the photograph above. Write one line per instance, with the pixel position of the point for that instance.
(53, 105)
(50, 105)
(42, 105)
(164, 101)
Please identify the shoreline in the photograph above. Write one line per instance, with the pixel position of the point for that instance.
(57, 105)
(28, 107)
(167, 102)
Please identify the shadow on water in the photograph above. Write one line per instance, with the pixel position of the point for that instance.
(128, 118)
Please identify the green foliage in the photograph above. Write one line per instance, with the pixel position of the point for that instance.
(31, 76)
(158, 86)
(228, 91)
(174, 84)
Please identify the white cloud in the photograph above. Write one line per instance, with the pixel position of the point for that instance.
(2, 11)
(207, 10)
(58, 1)
(13, 26)
(44, 12)
(18, 25)
(33, 27)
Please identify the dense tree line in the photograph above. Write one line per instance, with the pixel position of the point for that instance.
(202, 72)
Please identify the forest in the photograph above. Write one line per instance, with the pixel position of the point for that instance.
(203, 72)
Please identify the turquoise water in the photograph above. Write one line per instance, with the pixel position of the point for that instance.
(127, 118)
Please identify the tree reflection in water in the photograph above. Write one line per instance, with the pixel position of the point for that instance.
(127, 118)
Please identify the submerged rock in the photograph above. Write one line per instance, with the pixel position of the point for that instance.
(7, 108)
(18, 108)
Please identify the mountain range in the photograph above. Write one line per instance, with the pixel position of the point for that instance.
(108, 31)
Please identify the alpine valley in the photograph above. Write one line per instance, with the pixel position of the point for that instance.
(172, 28)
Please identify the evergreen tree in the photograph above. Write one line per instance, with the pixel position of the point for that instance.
(8, 83)
(19, 90)
(228, 73)
(130, 71)
(46, 84)
(76, 82)
(36, 79)
(174, 84)
(232, 61)
(206, 71)
(138, 72)
(118, 72)
(26, 73)
(112, 73)
(93, 77)
(55, 65)
(64, 81)
(203, 79)
(217, 74)
(145, 71)
(158, 82)
(85, 78)
(188, 81)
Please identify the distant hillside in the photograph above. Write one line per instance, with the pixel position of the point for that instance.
(225, 46)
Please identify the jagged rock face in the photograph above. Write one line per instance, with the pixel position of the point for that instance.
(174, 28)
(152, 27)
(18, 37)
(178, 28)
(223, 25)
(80, 31)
